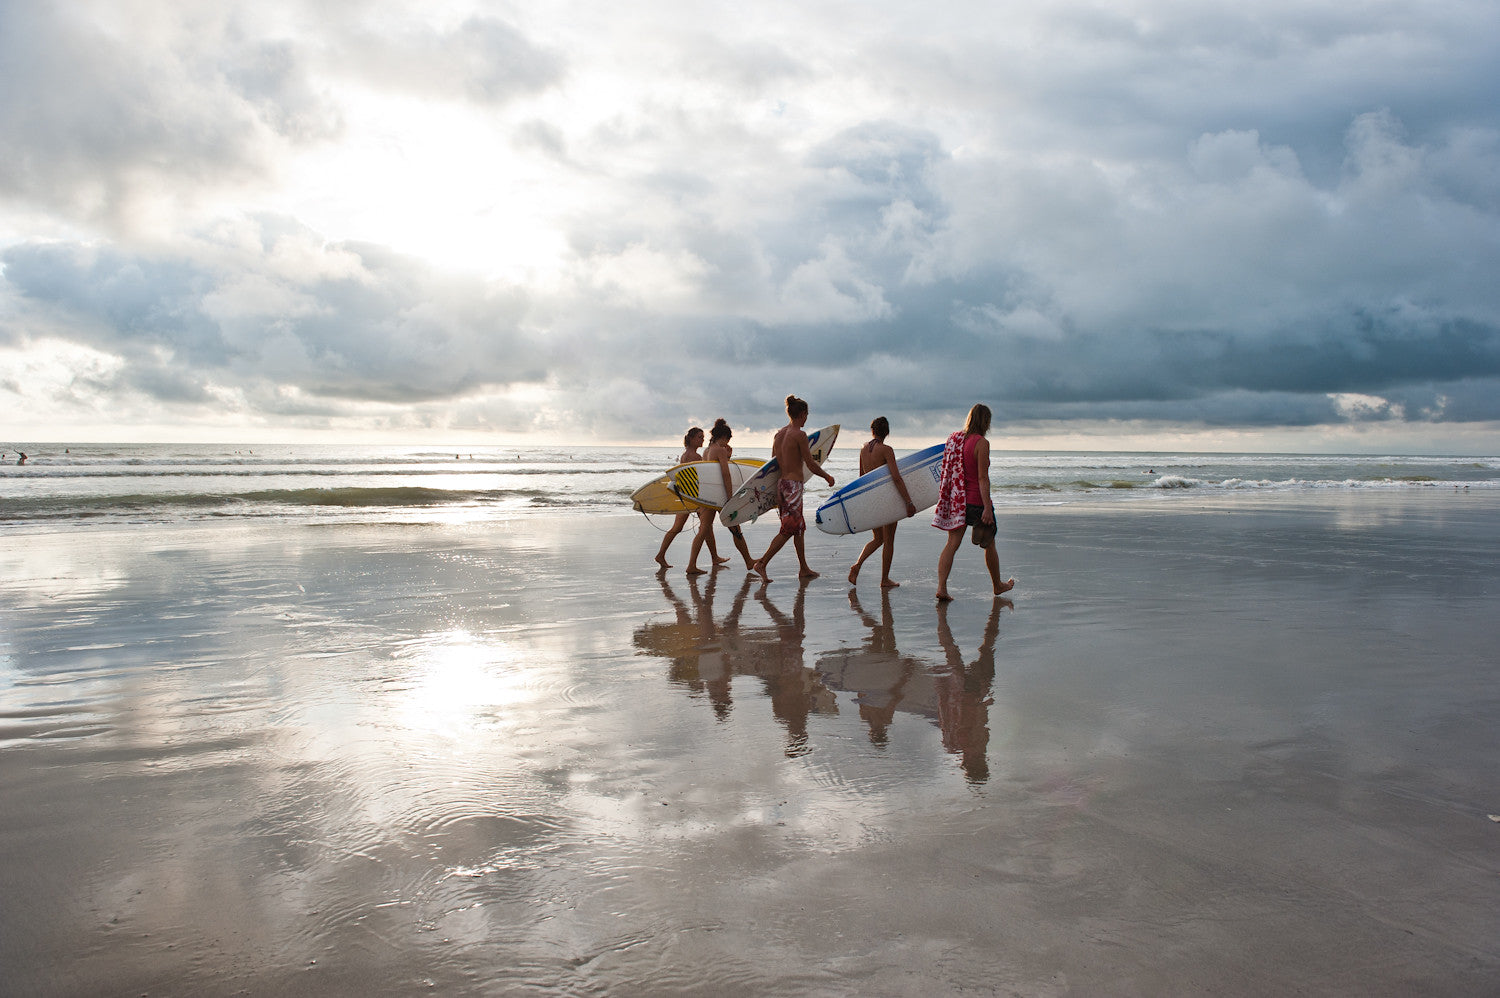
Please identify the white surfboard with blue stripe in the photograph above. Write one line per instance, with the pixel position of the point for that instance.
(872, 500)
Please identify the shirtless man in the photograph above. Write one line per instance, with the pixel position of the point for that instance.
(794, 457)
(871, 456)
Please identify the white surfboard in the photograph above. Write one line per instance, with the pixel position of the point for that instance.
(758, 494)
(702, 482)
(657, 498)
(871, 500)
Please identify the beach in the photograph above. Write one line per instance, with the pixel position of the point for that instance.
(1227, 744)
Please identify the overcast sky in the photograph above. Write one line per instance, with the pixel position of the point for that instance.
(1134, 223)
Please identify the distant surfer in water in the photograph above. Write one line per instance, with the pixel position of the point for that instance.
(793, 456)
(872, 455)
(964, 499)
(691, 441)
(720, 451)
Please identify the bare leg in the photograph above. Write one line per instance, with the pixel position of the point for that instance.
(705, 533)
(804, 570)
(708, 516)
(742, 547)
(992, 562)
(870, 548)
(945, 561)
(677, 524)
(888, 556)
(760, 566)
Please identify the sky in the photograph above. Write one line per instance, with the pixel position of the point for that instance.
(1134, 224)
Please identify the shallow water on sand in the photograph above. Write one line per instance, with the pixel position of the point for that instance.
(1244, 748)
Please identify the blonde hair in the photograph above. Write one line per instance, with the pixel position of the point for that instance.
(979, 419)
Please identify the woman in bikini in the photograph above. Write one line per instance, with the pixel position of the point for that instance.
(720, 451)
(691, 441)
(874, 454)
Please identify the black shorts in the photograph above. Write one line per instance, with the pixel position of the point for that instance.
(974, 515)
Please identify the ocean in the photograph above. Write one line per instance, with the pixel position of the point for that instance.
(75, 485)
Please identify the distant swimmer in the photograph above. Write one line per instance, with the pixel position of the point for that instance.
(875, 454)
(964, 499)
(21, 459)
(793, 454)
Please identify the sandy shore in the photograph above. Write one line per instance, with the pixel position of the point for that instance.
(1245, 748)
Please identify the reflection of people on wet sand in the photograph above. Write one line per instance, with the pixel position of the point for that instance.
(794, 456)
(701, 652)
(706, 656)
(964, 694)
(877, 707)
(874, 454)
(794, 689)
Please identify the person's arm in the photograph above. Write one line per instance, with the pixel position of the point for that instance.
(812, 462)
(890, 462)
(982, 464)
(728, 482)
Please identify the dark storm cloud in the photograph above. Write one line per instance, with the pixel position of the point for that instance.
(1225, 287)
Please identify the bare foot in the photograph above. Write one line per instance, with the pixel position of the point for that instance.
(807, 573)
(721, 561)
(1006, 587)
(760, 567)
(854, 576)
(661, 560)
(695, 570)
(888, 584)
(944, 598)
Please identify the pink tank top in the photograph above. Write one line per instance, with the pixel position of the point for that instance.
(971, 470)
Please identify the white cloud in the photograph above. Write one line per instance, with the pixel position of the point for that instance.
(381, 213)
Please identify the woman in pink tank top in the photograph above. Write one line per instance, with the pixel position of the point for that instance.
(979, 511)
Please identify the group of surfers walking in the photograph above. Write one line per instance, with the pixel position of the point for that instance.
(963, 498)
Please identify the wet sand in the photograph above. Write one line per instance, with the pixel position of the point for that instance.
(1239, 748)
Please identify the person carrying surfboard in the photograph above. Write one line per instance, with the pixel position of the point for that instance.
(872, 455)
(964, 499)
(794, 456)
(691, 441)
(720, 451)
